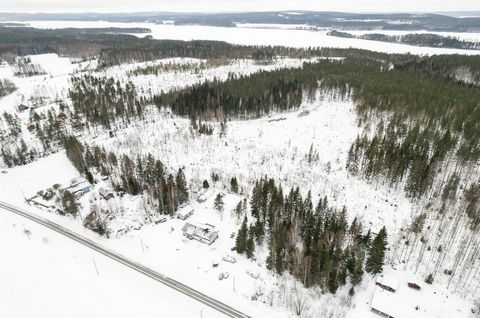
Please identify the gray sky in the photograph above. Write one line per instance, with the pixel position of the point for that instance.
(236, 5)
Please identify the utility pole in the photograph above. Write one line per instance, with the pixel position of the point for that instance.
(27, 233)
(26, 200)
(95, 264)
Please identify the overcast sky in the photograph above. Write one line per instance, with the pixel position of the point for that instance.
(236, 5)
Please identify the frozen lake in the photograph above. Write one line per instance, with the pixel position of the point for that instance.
(262, 36)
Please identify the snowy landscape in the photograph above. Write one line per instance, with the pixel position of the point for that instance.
(67, 165)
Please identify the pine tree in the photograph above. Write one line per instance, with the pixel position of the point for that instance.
(356, 272)
(74, 150)
(218, 203)
(239, 210)
(250, 244)
(182, 191)
(205, 184)
(376, 254)
(234, 185)
(241, 240)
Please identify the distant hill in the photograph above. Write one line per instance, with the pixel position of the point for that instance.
(460, 14)
(338, 20)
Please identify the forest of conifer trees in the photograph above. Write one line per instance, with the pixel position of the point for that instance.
(332, 250)
(141, 175)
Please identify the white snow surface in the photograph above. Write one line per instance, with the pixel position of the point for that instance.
(433, 301)
(44, 274)
(255, 36)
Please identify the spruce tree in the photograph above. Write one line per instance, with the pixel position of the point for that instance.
(182, 191)
(205, 184)
(250, 244)
(234, 185)
(241, 240)
(218, 202)
(376, 254)
(239, 209)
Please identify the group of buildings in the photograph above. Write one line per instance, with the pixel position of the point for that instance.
(204, 233)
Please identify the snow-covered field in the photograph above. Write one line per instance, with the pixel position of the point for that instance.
(46, 275)
(41, 89)
(255, 36)
(432, 300)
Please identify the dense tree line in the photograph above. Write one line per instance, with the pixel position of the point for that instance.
(178, 67)
(242, 97)
(430, 117)
(80, 43)
(416, 39)
(139, 175)
(461, 68)
(211, 50)
(104, 101)
(315, 243)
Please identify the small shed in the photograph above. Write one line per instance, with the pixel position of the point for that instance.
(413, 284)
(185, 212)
(388, 282)
(201, 232)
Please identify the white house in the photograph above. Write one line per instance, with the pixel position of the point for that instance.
(185, 212)
(203, 233)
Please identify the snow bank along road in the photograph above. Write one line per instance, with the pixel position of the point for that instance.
(215, 304)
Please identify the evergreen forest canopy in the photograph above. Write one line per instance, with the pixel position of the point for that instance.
(331, 252)
(417, 39)
(115, 48)
(428, 116)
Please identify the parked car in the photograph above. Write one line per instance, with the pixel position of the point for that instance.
(229, 258)
(160, 220)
